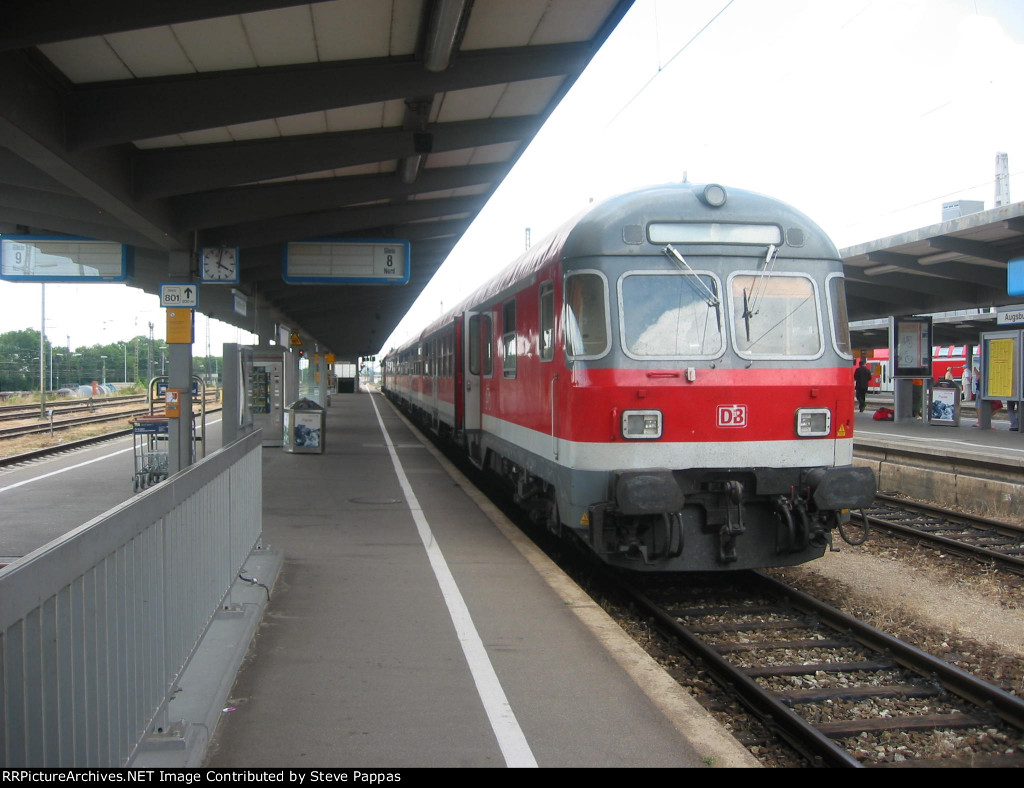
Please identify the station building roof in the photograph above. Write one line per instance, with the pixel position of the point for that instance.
(170, 125)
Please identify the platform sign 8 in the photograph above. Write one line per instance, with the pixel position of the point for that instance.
(346, 261)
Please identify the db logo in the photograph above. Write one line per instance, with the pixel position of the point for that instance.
(732, 415)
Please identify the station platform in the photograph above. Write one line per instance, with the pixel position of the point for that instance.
(411, 626)
(958, 466)
(920, 431)
(998, 445)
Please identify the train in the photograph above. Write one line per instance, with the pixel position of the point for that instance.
(666, 378)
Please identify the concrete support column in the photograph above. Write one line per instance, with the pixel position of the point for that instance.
(903, 403)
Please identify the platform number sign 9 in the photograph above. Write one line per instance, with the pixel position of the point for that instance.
(29, 258)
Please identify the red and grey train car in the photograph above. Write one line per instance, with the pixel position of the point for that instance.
(668, 376)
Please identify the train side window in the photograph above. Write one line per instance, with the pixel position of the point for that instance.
(840, 318)
(508, 339)
(547, 322)
(587, 326)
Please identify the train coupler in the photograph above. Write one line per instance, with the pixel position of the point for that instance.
(733, 527)
(648, 538)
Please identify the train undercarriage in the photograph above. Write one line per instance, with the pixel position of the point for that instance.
(716, 519)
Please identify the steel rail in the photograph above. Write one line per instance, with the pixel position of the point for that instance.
(955, 520)
(803, 736)
(773, 709)
(32, 429)
(36, 454)
(961, 683)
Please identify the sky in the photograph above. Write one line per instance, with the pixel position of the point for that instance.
(866, 115)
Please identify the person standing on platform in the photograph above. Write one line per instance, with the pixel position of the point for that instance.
(966, 390)
(861, 378)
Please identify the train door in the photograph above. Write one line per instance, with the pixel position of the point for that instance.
(885, 376)
(478, 366)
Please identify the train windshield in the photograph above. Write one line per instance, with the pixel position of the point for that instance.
(671, 315)
(775, 316)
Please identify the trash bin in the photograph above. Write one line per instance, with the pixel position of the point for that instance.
(304, 427)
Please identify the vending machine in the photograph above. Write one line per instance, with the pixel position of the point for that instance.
(258, 385)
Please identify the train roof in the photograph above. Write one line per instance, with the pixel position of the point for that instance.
(618, 225)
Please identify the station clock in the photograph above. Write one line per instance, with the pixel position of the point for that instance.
(218, 264)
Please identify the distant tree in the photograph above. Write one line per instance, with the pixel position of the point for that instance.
(19, 360)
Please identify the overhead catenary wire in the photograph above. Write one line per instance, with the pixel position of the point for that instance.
(682, 49)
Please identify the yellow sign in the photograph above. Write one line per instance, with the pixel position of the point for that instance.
(329, 357)
(295, 340)
(179, 326)
(841, 432)
(1001, 353)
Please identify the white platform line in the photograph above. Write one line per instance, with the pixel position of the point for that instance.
(511, 740)
(64, 470)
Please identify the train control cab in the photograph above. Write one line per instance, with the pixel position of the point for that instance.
(667, 377)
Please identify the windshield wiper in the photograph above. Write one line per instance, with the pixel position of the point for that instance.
(747, 313)
(767, 267)
(710, 299)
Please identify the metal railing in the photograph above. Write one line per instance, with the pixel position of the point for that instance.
(97, 627)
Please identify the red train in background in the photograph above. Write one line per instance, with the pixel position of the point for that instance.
(667, 376)
(951, 358)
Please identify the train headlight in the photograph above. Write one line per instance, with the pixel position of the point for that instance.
(813, 422)
(641, 424)
(714, 195)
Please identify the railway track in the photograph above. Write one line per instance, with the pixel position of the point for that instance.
(113, 409)
(46, 451)
(63, 406)
(63, 424)
(980, 538)
(839, 691)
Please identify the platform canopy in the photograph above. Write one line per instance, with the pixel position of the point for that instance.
(958, 264)
(173, 125)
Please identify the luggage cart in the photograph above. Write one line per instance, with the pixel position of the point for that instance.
(155, 395)
(149, 437)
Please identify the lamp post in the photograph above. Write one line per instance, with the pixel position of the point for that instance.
(103, 377)
(42, 353)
